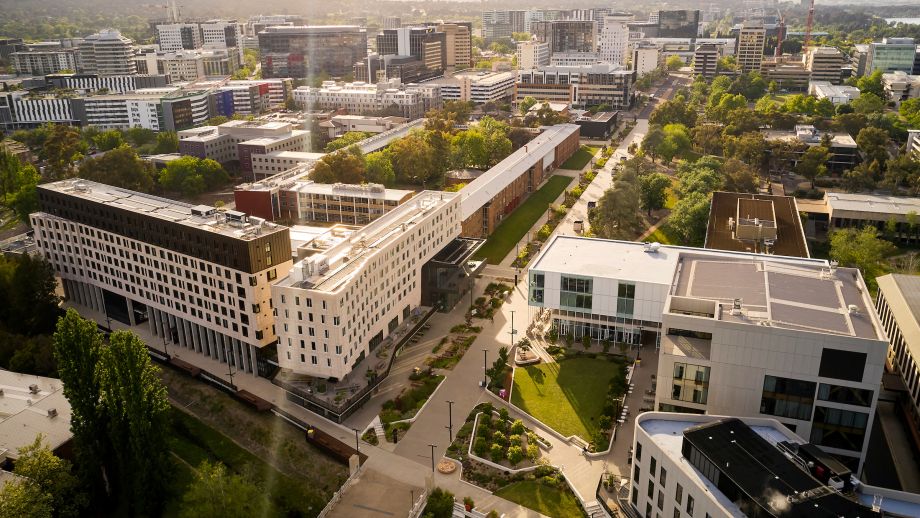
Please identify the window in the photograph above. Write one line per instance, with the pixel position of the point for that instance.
(836, 428)
(635, 496)
(676, 512)
(787, 397)
(638, 451)
(575, 293)
(663, 478)
(845, 395)
(661, 500)
(679, 494)
(690, 505)
(636, 471)
(536, 287)
(626, 299)
(651, 488)
(652, 466)
(842, 365)
(690, 383)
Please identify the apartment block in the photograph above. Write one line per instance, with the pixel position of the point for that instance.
(240, 140)
(749, 51)
(107, 53)
(21, 111)
(601, 83)
(567, 35)
(182, 65)
(459, 45)
(425, 44)
(715, 466)
(359, 98)
(90, 83)
(271, 164)
(645, 58)
(223, 34)
(740, 334)
(532, 54)
(901, 86)
(502, 24)
(49, 57)
(301, 51)
(706, 60)
(343, 298)
(613, 39)
(175, 37)
(199, 278)
(826, 64)
(478, 86)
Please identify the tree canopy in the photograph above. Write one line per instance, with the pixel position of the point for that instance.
(191, 175)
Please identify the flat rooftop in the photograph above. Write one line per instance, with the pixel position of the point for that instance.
(25, 413)
(203, 217)
(790, 237)
(367, 190)
(622, 260)
(874, 203)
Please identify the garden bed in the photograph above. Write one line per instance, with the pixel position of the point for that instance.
(507, 444)
(397, 411)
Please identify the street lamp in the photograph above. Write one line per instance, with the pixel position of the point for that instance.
(512, 332)
(450, 420)
(485, 367)
(357, 449)
(432, 446)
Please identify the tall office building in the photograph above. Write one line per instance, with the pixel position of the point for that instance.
(532, 54)
(502, 24)
(613, 38)
(200, 278)
(459, 44)
(425, 44)
(301, 51)
(392, 22)
(705, 60)
(826, 64)
(223, 34)
(678, 24)
(892, 54)
(107, 53)
(174, 37)
(749, 51)
(567, 36)
(645, 58)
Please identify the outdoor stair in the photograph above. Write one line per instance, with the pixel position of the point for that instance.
(378, 430)
(594, 510)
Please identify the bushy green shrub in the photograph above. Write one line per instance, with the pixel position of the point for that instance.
(496, 452)
(515, 455)
(517, 427)
(480, 447)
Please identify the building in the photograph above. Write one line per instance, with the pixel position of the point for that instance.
(32, 406)
(21, 111)
(738, 334)
(185, 65)
(271, 164)
(890, 55)
(835, 93)
(597, 126)
(713, 466)
(406, 69)
(158, 109)
(176, 37)
(340, 301)
(565, 36)
(425, 44)
(900, 86)
(199, 278)
(844, 153)
(223, 34)
(913, 143)
(391, 22)
(39, 59)
(241, 140)
(613, 39)
(601, 83)
(502, 24)
(706, 60)
(488, 199)
(107, 53)
(573, 59)
(788, 75)
(258, 23)
(845, 210)
(89, 83)
(339, 125)
(756, 223)
(302, 51)
(749, 51)
(459, 45)
(826, 64)
(478, 86)
(308, 201)
(145, 59)
(358, 98)
(678, 24)
(532, 54)
(645, 58)
(10, 45)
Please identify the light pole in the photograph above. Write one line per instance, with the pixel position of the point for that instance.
(357, 449)
(512, 328)
(450, 419)
(432, 446)
(485, 367)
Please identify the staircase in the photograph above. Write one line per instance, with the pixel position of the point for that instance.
(594, 510)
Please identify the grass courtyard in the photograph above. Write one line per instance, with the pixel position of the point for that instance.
(514, 227)
(568, 396)
(580, 158)
(543, 498)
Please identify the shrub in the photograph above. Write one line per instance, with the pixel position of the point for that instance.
(514, 440)
(605, 422)
(503, 413)
(517, 427)
(497, 453)
(515, 455)
(499, 438)
(440, 504)
(480, 447)
(586, 341)
(487, 410)
(533, 452)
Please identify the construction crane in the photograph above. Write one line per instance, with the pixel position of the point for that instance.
(781, 33)
(172, 10)
(809, 24)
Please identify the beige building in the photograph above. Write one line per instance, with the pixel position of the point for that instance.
(532, 54)
(749, 51)
(29, 406)
(826, 64)
(459, 49)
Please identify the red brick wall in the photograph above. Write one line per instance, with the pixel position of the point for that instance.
(255, 203)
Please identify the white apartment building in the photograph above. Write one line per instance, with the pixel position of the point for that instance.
(613, 39)
(85, 84)
(645, 58)
(20, 111)
(183, 65)
(48, 57)
(270, 164)
(699, 466)
(574, 59)
(837, 94)
(145, 59)
(338, 304)
(242, 140)
(199, 278)
(739, 334)
(107, 53)
(175, 37)
(157, 109)
(900, 86)
(279, 89)
(361, 98)
(476, 85)
(532, 54)
(749, 50)
(223, 34)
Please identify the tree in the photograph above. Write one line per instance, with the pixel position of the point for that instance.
(348, 139)
(497, 144)
(701, 177)
(674, 111)
(167, 142)
(617, 213)
(515, 455)
(750, 148)
(53, 477)
(862, 177)
(910, 110)
(192, 175)
(689, 218)
(812, 164)
(868, 103)
(63, 147)
(871, 84)
(342, 166)
(873, 142)
(18, 184)
(414, 159)
(468, 149)
(526, 104)
(676, 142)
(78, 349)
(707, 139)
(440, 504)
(674, 63)
(215, 492)
(653, 189)
(379, 167)
(108, 140)
(25, 499)
(851, 123)
(861, 248)
(120, 167)
(739, 177)
(28, 295)
(141, 136)
(134, 399)
(652, 141)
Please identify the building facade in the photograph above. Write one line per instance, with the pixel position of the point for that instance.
(301, 51)
(197, 277)
(240, 140)
(826, 64)
(476, 86)
(107, 53)
(176, 37)
(358, 98)
(749, 51)
(567, 35)
(459, 45)
(601, 83)
(706, 60)
(613, 39)
(339, 304)
(891, 55)
(645, 58)
(40, 59)
(532, 54)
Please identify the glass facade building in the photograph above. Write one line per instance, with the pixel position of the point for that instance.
(302, 51)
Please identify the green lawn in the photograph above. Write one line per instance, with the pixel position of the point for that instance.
(194, 442)
(542, 498)
(514, 227)
(568, 396)
(580, 159)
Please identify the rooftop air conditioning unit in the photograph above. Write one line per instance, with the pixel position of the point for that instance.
(52, 412)
(33, 389)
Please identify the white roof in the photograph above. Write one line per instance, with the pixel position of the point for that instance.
(481, 190)
(623, 260)
(875, 203)
(24, 413)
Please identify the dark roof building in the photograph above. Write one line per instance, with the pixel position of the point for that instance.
(759, 223)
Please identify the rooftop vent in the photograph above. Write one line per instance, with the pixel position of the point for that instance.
(853, 309)
(736, 307)
(52, 412)
(33, 389)
(652, 248)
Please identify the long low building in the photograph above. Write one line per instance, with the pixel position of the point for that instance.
(31, 406)
(741, 334)
(493, 195)
(587, 85)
